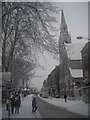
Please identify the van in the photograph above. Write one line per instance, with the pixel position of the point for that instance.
(45, 94)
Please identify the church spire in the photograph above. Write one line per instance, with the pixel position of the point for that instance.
(63, 22)
(64, 36)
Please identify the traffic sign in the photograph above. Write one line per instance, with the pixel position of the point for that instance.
(8, 86)
(5, 77)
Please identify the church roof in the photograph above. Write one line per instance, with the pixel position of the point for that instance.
(76, 73)
(74, 50)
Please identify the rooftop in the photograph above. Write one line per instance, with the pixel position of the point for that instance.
(76, 73)
(74, 50)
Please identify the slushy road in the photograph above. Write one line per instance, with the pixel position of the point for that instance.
(47, 110)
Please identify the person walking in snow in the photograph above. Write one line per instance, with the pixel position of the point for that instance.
(34, 105)
(19, 98)
(65, 97)
(12, 103)
(17, 103)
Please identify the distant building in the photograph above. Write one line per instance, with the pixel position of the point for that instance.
(0, 88)
(49, 84)
(44, 90)
(53, 82)
(86, 72)
(45, 85)
(85, 61)
(75, 70)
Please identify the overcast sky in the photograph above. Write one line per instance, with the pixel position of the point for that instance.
(76, 16)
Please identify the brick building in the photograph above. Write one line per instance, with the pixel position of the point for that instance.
(53, 82)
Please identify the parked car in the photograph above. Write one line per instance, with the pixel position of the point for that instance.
(40, 94)
(57, 96)
(45, 94)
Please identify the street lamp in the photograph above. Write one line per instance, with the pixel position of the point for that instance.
(80, 37)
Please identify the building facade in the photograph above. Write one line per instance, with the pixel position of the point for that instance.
(53, 82)
(75, 70)
(86, 72)
(67, 77)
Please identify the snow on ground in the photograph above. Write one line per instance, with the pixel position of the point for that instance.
(73, 106)
(0, 112)
(25, 110)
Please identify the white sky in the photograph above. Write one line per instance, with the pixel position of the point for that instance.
(76, 16)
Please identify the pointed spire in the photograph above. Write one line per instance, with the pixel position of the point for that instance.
(63, 22)
(64, 36)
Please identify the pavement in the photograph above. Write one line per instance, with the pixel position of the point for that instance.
(0, 112)
(25, 110)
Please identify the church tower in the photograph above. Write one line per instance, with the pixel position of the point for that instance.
(64, 38)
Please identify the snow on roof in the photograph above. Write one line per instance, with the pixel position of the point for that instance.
(74, 50)
(76, 73)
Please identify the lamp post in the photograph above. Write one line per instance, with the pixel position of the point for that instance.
(80, 37)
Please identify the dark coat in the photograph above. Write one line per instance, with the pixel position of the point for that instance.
(19, 98)
(12, 101)
(65, 96)
(34, 102)
(17, 102)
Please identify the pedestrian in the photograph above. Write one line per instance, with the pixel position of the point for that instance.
(17, 104)
(34, 106)
(7, 104)
(19, 98)
(34, 95)
(7, 100)
(12, 103)
(65, 97)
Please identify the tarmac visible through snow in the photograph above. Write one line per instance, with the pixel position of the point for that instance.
(48, 106)
(78, 107)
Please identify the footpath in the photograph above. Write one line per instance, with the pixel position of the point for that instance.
(0, 112)
(25, 110)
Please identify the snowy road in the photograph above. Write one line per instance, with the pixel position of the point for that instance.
(0, 112)
(26, 109)
(77, 107)
(48, 110)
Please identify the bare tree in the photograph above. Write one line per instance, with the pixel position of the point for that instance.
(26, 26)
(21, 70)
